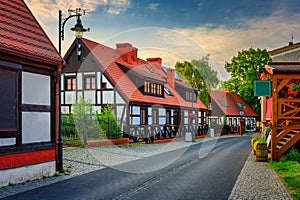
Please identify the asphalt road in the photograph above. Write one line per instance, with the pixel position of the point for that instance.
(203, 171)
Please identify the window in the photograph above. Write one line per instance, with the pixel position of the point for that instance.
(154, 89)
(149, 68)
(190, 96)
(90, 82)
(241, 105)
(168, 91)
(223, 103)
(159, 90)
(8, 99)
(70, 83)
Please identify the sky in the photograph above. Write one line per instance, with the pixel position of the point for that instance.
(176, 30)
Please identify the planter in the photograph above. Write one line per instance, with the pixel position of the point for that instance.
(111, 142)
(261, 152)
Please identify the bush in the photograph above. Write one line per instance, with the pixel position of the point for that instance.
(108, 123)
(86, 122)
(68, 126)
(293, 155)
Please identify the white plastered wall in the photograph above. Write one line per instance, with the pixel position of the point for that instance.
(36, 126)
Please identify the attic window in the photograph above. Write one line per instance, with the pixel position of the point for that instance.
(153, 89)
(168, 91)
(223, 103)
(240, 105)
(149, 68)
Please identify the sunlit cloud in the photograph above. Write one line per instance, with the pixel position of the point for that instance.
(178, 44)
(47, 9)
(222, 43)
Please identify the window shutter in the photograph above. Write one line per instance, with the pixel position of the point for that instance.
(8, 99)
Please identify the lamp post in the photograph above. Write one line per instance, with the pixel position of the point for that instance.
(78, 31)
(242, 121)
(193, 79)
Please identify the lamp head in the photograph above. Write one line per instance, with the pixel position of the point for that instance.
(78, 28)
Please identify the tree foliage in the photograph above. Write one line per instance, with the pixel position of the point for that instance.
(108, 123)
(244, 69)
(205, 78)
(85, 121)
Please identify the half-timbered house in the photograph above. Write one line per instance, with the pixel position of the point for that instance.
(146, 97)
(29, 66)
(231, 110)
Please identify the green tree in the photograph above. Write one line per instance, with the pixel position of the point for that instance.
(205, 78)
(85, 121)
(244, 69)
(108, 122)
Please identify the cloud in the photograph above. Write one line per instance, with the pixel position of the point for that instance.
(222, 43)
(118, 6)
(152, 6)
(48, 9)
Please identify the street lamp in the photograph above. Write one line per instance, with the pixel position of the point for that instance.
(78, 31)
(241, 121)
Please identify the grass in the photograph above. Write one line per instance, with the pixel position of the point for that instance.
(289, 173)
(135, 144)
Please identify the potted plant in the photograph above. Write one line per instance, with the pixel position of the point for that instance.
(192, 115)
(293, 89)
(261, 150)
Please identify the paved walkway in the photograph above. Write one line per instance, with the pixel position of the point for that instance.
(258, 181)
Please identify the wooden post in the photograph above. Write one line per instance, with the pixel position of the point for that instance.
(263, 112)
(274, 119)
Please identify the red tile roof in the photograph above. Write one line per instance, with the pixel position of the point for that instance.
(22, 35)
(111, 59)
(227, 102)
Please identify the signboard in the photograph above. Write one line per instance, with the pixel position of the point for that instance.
(262, 88)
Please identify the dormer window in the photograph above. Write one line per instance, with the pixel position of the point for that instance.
(154, 89)
(190, 96)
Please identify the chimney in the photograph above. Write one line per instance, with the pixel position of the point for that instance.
(128, 52)
(171, 77)
(155, 61)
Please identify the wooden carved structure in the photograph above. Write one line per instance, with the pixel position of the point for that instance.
(285, 114)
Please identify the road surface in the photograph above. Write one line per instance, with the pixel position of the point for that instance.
(206, 170)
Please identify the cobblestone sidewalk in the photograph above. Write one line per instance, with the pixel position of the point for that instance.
(258, 181)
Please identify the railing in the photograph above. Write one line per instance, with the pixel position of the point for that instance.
(152, 132)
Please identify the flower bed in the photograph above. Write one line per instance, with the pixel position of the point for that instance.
(99, 143)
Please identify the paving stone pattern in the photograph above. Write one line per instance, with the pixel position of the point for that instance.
(258, 181)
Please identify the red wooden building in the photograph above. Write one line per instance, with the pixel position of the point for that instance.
(29, 67)
(284, 106)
